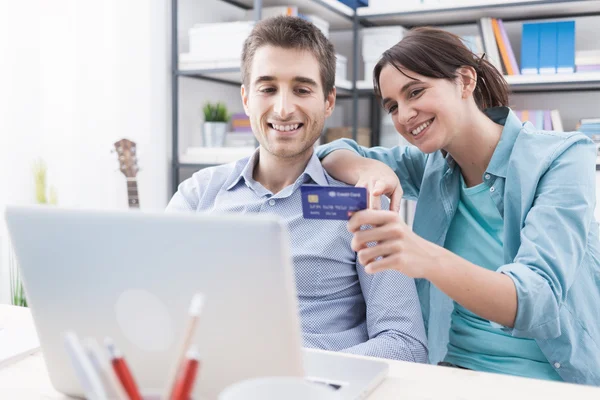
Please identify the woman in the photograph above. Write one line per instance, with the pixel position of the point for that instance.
(504, 222)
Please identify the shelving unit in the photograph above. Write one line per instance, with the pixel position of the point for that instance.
(341, 17)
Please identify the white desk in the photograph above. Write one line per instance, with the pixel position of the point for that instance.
(28, 379)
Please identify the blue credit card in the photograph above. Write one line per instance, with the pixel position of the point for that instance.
(332, 202)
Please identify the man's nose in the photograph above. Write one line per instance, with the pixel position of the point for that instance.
(284, 105)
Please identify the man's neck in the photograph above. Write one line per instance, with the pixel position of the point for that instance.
(276, 173)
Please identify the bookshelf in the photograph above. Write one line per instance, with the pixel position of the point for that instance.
(466, 14)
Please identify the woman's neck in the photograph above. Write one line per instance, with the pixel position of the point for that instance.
(473, 146)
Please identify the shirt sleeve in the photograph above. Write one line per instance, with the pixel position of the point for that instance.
(189, 193)
(553, 241)
(408, 162)
(393, 317)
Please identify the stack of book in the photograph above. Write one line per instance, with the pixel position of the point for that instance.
(540, 44)
(590, 127)
(587, 60)
(548, 48)
(547, 120)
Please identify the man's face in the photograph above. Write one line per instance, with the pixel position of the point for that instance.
(285, 101)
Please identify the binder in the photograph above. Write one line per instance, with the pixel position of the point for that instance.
(547, 120)
(565, 59)
(548, 50)
(530, 49)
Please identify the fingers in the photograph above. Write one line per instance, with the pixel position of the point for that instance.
(374, 218)
(370, 254)
(393, 261)
(383, 233)
(396, 200)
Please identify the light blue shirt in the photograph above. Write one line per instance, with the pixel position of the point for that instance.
(341, 307)
(544, 187)
(475, 234)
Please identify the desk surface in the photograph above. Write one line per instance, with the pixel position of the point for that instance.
(28, 379)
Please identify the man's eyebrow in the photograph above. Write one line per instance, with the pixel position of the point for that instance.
(404, 89)
(303, 79)
(265, 78)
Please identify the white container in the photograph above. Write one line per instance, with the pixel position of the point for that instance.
(220, 41)
(369, 66)
(319, 23)
(379, 39)
(341, 67)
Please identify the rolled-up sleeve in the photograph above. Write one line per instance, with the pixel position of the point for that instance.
(553, 241)
(408, 162)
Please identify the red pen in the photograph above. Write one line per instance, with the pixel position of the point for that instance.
(122, 370)
(185, 384)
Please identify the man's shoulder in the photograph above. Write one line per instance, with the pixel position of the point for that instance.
(218, 175)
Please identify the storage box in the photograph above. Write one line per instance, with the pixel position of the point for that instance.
(379, 39)
(218, 42)
(363, 135)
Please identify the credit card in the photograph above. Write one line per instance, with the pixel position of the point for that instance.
(332, 202)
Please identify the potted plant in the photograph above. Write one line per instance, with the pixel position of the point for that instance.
(43, 195)
(215, 124)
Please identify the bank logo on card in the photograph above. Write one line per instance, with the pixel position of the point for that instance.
(332, 202)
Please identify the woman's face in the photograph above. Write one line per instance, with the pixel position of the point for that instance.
(426, 111)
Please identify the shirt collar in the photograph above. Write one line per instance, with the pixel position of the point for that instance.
(314, 170)
(510, 132)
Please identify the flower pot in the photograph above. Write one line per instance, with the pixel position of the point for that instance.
(213, 134)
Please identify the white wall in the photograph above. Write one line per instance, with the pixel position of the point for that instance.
(76, 76)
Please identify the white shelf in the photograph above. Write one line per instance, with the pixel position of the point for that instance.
(230, 71)
(580, 80)
(471, 11)
(337, 14)
(214, 155)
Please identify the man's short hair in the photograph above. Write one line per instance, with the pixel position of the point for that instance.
(291, 33)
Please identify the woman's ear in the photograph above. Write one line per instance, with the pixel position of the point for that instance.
(467, 78)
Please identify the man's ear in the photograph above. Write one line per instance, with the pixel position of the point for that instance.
(330, 102)
(467, 78)
(244, 94)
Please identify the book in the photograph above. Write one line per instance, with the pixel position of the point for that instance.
(530, 49)
(502, 47)
(511, 53)
(565, 59)
(548, 50)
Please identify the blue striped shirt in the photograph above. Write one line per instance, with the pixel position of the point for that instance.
(341, 307)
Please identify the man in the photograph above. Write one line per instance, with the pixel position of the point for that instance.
(288, 70)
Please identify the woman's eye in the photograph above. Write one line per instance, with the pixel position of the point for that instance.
(415, 93)
(392, 109)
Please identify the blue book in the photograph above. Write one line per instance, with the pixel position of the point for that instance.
(354, 4)
(530, 49)
(539, 119)
(565, 58)
(548, 50)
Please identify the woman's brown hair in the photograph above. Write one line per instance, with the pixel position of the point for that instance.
(436, 53)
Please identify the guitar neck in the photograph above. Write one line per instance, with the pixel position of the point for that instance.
(132, 193)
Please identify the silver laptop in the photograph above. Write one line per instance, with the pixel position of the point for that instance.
(131, 276)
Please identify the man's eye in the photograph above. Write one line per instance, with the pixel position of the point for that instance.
(303, 91)
(267, 90)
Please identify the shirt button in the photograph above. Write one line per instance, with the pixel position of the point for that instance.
(272, 202)
(492, 189)
(487, 176)
(557, 365)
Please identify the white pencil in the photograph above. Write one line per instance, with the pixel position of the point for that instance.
(104, 369)
(193, 318)
(86, 374)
